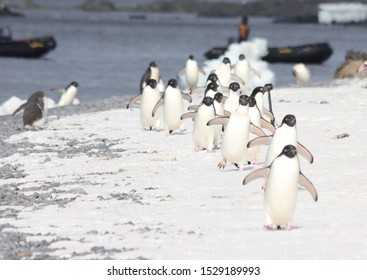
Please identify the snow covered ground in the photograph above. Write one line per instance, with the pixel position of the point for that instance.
(94, 186)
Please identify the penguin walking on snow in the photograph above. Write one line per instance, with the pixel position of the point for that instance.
(191, 72)
(68, 94)
(285, 134)
(173, 108)
(243, 69)
(202, 134)
(148, 99)
(35, 111)
(236, 134)
(301, 73)
(281, 187)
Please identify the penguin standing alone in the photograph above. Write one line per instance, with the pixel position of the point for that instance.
(35, 111)
(282, 178)
(68, 94)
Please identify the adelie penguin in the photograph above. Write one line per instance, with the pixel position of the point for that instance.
(282, 178)
(202, 134)
(236, 134)
(173, 108)
(148, 99)
(242, 69)
(35, 111)
(191, 71)
(68, 94)
(285, 134)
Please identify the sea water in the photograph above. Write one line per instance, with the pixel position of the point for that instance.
(107, 52)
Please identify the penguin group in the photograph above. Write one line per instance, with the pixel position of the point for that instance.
(229, 119)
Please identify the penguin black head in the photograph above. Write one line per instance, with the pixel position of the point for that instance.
(251, 102)
(212, 77)
(36, 97)
(218, 97)
(268, 87)
(211, 86)
(74, 83)
(173, 83)
(226, 60)
(153, 64)
(152, 83)
(244, 100)
(289, 120)
(289, 151)
(242, 57)
(208, 101)
(191, 57)
(234, 86)
(257, 90)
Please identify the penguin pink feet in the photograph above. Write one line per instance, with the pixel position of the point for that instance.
(222, 164)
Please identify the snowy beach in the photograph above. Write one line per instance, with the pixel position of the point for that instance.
(92, 185)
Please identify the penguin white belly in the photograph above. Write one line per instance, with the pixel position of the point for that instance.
(203, 134)
(192, 74)
(148, 101)
(242, 70)
(281, 191)
(173, 108)
(283, 136)
(68, 96)
(231, 103)
(224, 75)
(235, 139)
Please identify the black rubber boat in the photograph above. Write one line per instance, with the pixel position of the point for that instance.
(25, 48)
(310, 54)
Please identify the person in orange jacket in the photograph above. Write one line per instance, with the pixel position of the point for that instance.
(244, 29)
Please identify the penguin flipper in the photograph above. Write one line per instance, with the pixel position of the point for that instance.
(218, 120)
(186, 97)
(193, 107)
(237, 79)
(182, 71)
(267, 125)
(198, 90)
(256, 130)
(20, 108)
(303, 181)
(201, 70)
(188, 115)
(133, 100)
(262, 140)
(157, 105)
(227, 114)
(253, 70)
(269, 114)
(262, 172)
(59, 90)
(303, 151)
